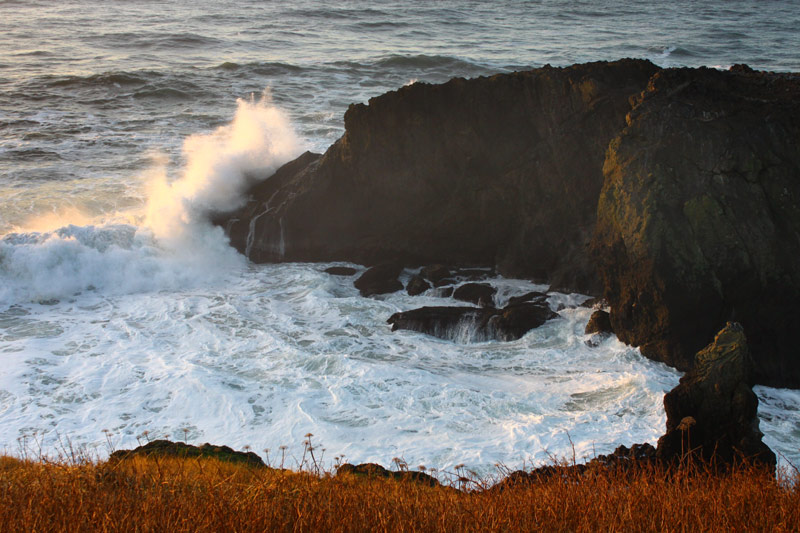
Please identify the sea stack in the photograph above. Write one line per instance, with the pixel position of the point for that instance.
(712, 414)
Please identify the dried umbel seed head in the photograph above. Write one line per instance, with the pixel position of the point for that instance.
(686, 423)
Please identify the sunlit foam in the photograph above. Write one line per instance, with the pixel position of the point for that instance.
(172, 244)
(218, 171)
(59, 218)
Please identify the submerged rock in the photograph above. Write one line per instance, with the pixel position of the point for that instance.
(474, 324)
(712, 413)
(166, 448)
(380, 279)
(533, 296)
(341, 271)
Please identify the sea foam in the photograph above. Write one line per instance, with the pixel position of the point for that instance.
(220, 166)
(169, 243)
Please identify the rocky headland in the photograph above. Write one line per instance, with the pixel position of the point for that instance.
(698, 221)
(673, 193)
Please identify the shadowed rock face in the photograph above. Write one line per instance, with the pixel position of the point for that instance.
(599, 322)
(380, 279)
(699, 218)
(417, 285)
(713, 411)
(504, 170)
(477, 293)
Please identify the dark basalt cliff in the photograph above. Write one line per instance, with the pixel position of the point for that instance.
(699, 221)
(504, 171)
(673, 192)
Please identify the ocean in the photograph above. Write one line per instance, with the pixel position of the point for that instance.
(125, 316)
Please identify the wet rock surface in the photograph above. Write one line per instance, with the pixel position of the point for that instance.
(599, 322)
(417, 285)
(444, 292)
(341, 271)
(533, 296)
(474, 324)
(595, 303)
(481, 294)
(380, 279)
(435, 273)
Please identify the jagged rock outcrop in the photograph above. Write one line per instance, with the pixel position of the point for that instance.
(699, 217)
(502, 170)
(713, 412)
(712, 419)
(599, 326)
(166, 448)
(599, 322)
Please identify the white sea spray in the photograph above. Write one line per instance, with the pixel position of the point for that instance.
(171, 244)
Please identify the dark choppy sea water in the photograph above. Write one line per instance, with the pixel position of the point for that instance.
(121, 309)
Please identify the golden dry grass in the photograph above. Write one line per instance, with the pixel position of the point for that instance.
(169, 494)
